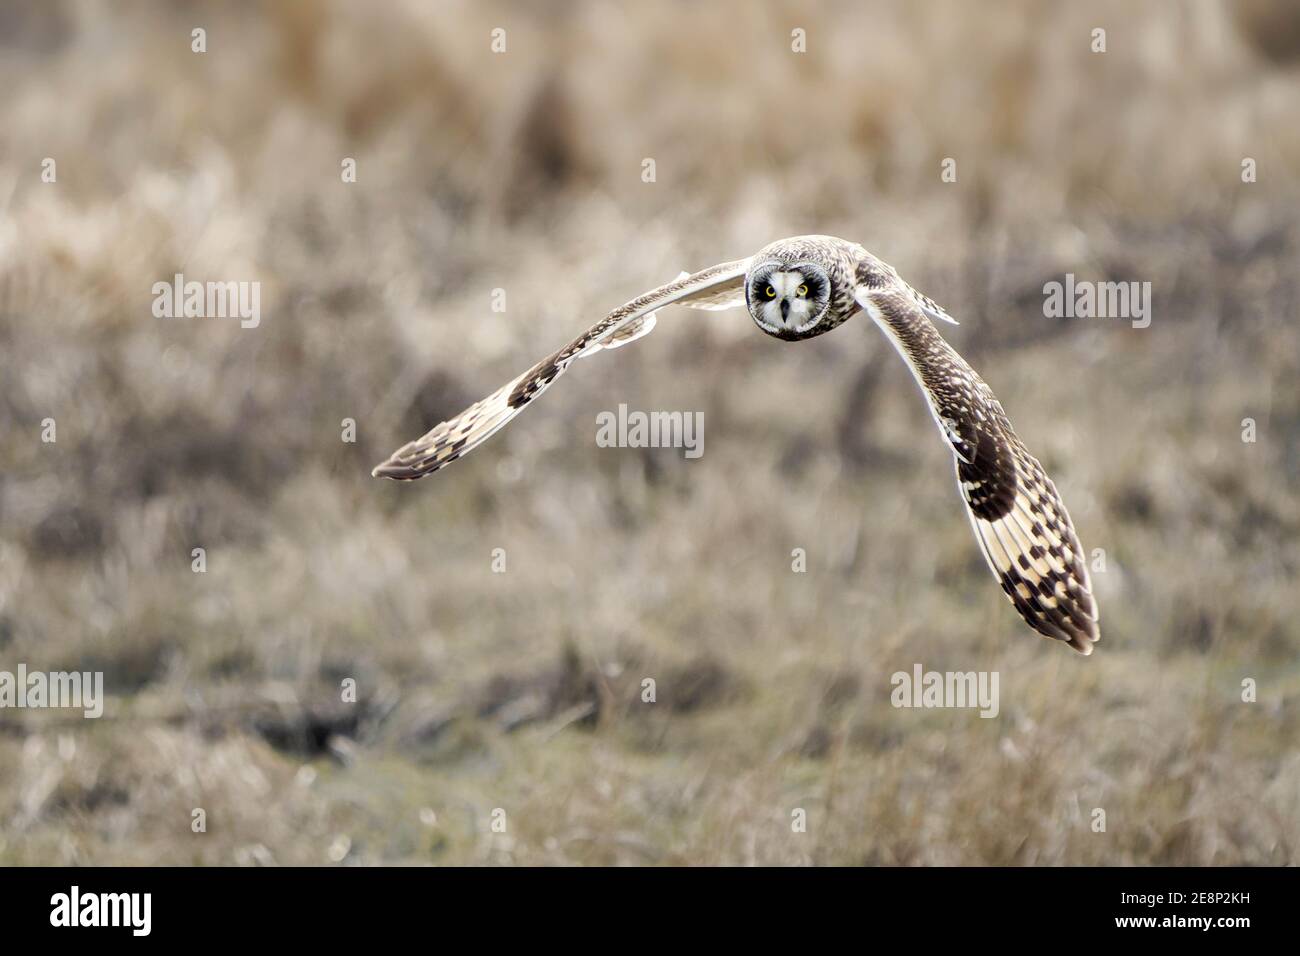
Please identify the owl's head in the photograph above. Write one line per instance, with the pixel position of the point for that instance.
(788, 299)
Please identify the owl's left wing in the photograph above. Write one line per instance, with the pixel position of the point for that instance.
(1017, 515)
(719, 287)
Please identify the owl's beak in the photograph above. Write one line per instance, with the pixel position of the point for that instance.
(785, 309)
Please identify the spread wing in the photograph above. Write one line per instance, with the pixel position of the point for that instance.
(719, 287)
(1018, 517)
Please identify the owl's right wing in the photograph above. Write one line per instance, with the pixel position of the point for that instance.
(719, 287)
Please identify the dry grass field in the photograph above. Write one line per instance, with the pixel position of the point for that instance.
(521, 691)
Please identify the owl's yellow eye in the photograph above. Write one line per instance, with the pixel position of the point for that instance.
(803, 290)
(770, 292)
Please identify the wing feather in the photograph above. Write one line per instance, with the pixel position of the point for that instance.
(718, 287)
(1017, 515)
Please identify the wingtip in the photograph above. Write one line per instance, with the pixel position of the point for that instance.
(406, 469)
(1085, 644)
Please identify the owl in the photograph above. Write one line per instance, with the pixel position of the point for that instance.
(803, 287)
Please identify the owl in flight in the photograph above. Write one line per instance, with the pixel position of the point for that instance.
(802, 287)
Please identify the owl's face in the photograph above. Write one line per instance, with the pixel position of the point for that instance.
(788, 300)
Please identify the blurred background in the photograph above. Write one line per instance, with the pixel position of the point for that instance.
(521, 690)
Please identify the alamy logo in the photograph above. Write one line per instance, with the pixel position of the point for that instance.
(103, 909)
(923, 688)
(179, 299)
(57, 689)
(637, 429)
(1085, 299)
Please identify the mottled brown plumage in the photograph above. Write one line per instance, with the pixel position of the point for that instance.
(1019, 519)
(803, 287)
